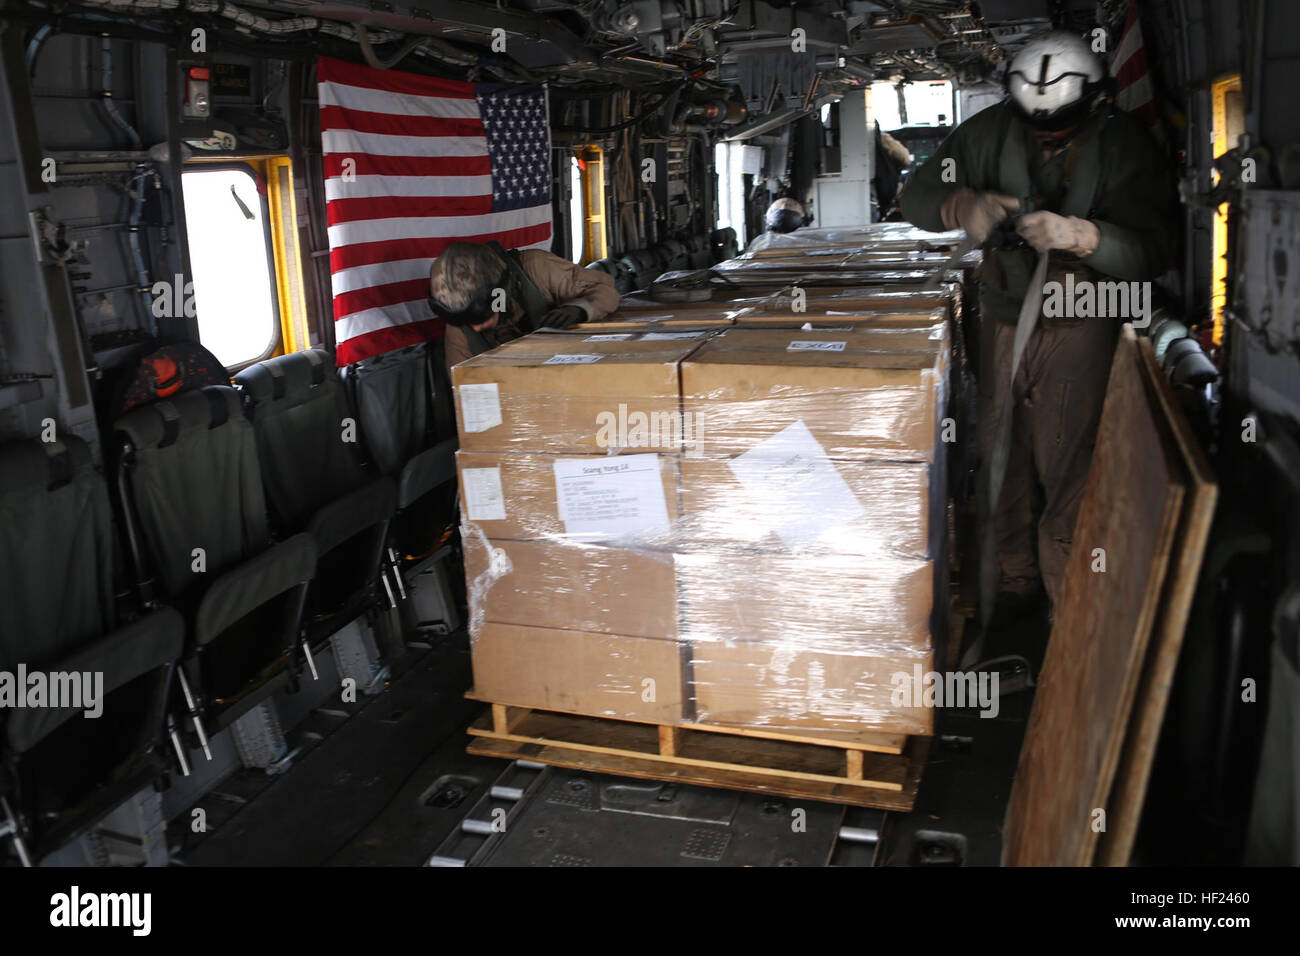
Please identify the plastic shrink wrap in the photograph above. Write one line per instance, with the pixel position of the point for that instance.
(740, 527)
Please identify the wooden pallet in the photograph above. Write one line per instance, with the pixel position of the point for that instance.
(866, 770)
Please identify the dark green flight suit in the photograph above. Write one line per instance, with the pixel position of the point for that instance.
(1061, 381)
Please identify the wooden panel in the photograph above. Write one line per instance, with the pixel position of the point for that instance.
(1125, 806)
(1130, 509)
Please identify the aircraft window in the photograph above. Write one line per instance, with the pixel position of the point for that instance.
(230, 258)
(928, 104)
(577, 214)
(729, 163)
(884, 106)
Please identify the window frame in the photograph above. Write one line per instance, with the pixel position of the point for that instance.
(277, 339)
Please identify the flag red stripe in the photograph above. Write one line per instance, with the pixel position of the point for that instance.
(1134, 68)
(330, 70)
(395, 250)
(379, 296)
(397, 124)
(397, 207)
(368, 165)
(385, 340)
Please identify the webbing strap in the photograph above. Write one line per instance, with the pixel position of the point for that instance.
(171, 420)
(218, 410)
(1030, 309)
(535, 305)
(317, 367)
(277, 381)
(60, 464)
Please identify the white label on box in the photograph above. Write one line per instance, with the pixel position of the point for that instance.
(809, 327)
(612, 497)
(816, 346)
(665, 336)
(609, 337)
(794, 488)
(484, 499)
(480, 406)
(574, 359)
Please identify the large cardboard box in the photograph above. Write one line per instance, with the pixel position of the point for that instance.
(834, 315)
(663, 318)
(554, 393)
(747, 385)
(516, 495)
(599, 674)
(913, 334)
(870, 299)
(797, 500)
(781, 688)
(569, 586)
(806, 600)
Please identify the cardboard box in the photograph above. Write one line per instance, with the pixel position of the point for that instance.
(779, 688)
(662, 317)
(573, 671)
(882, 299)
(554, 393)
(844, 602)
(930, 337)
(568, 586)
(841, 507)
(821, 315)
(747, 385)
(513, 495)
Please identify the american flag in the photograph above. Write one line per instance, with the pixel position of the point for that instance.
(413, 164)
(1133, 90)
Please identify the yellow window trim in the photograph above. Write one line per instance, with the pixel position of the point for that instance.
(277, 174)
(593, 203)
(1219, 91)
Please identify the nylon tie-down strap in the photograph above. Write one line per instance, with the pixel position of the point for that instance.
(1030, 309)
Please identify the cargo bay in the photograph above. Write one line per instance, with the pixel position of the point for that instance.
(638, 434)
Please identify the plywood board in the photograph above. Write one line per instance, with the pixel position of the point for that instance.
(1129, 791)
(1130, 510)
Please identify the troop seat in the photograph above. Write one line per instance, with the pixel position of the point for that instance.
(196, 517)
(311, 467)
(409, 429)
(62, 770)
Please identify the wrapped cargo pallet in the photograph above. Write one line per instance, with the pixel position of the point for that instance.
(731, 528)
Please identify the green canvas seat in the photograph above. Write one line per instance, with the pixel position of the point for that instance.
(63, 770)
(403, 402)
(311, 466)
(197, 515)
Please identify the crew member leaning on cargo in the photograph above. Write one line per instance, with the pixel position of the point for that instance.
(1103, 206)
(488, 296)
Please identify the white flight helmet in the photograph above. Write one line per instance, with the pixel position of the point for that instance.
(1055, 80)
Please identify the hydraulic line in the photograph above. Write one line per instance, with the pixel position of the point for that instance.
(107, 96)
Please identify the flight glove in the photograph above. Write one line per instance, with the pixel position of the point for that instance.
(976, 212)
(1046, 230)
